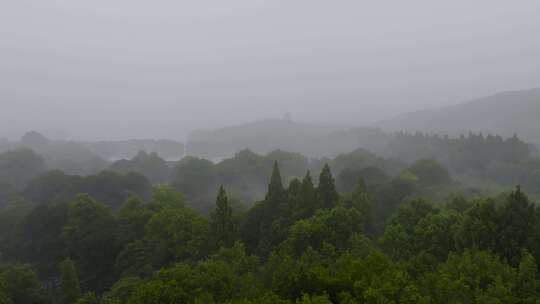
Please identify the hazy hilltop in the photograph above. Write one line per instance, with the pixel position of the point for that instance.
(261, 136)
(501, 115)
(505, 114)
(266, 127)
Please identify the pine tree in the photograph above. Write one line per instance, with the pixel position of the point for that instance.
(360, 201)
(516, 221)
(275, 196)
(273, 211)
(308, 196)
(221, 223)
(294, 198)
(527, 285)
(69, 282)
(327, 194)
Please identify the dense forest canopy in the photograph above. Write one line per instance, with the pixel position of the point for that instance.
(434, 220)
(269, 152)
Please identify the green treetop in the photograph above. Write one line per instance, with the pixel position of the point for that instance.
(275, 196)
(326, 191)
(221, 222)
(69, 282)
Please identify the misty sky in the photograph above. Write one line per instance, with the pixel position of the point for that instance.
(111, 69)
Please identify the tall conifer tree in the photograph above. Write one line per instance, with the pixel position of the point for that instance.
(308, 196)
(275, 196)
(326, 191)
(221, 222)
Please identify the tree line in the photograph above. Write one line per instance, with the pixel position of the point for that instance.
(305, 241)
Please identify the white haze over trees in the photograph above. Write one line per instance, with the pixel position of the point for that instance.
(119, 69)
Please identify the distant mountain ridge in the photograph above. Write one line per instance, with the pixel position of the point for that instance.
(505, 114)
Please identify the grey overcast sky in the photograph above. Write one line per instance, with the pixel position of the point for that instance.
(111, 69)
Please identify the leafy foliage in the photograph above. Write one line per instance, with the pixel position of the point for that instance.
(154, 168)
(19, 166)
(367, 236)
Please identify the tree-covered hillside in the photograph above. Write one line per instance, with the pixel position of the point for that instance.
(506, 113)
